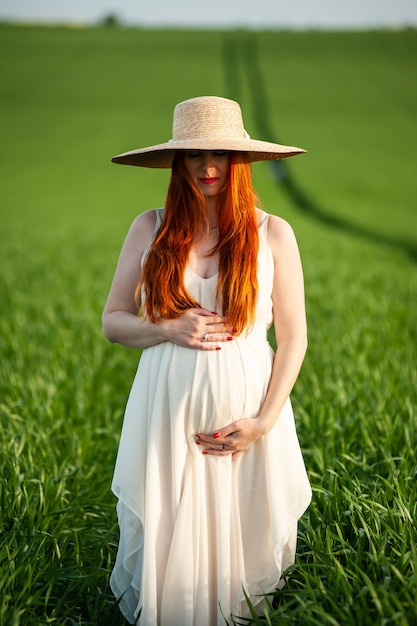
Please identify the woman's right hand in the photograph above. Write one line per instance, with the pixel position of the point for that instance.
(200, 329)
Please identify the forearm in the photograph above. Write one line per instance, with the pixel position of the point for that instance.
(286, 367)
(132, 331)
(188, 330)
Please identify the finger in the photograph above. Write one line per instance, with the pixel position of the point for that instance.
(211, 314)
(224, 432)
(217, 328)
(211, 337)
(219, 437)
(217, 452)
(211, 443)
(214, 325)
(210, 341)
(208, 347)
(217, 319)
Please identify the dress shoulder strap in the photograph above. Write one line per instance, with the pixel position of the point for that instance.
(263, 224)
(159, 213)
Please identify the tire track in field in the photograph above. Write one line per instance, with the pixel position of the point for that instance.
(241, 62)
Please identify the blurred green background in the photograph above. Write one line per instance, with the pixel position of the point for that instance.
(70, 100)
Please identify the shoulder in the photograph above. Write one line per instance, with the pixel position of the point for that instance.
(140, 233)
(143, 226)
(145, 222)
(281, 237)
(278, 227)
(275, 227)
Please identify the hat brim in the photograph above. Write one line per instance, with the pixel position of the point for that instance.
(161, 155)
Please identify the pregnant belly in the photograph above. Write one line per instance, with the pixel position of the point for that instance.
(202, 391)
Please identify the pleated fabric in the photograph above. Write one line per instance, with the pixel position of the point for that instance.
(197, 530)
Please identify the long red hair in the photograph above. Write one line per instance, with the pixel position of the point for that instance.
(185, 217)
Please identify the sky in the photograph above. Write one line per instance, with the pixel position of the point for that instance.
(219, 13)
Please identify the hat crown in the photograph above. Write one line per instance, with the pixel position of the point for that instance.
(207, 117)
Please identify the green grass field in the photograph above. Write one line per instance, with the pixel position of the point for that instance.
(70, 99)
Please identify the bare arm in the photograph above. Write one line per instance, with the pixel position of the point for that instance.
(120, 320)
(291, 334)
(289, 320)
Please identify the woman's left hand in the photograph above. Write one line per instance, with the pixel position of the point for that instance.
(234, 439)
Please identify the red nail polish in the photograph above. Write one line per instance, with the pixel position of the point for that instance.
(229, 338)
(214, 313)
(218, 348)
(234, 330)
(216, 435)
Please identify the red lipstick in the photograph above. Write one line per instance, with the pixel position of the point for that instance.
(208, 181)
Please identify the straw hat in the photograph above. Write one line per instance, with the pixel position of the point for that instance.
(206, 123)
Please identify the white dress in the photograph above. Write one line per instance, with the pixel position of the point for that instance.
(195, 529)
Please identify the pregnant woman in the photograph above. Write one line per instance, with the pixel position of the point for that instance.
(209, 475)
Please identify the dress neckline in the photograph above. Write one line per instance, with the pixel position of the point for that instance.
(201, 277)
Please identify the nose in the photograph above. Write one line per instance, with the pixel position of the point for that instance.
(208, 162)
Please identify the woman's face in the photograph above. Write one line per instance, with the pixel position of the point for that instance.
(209, 169)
